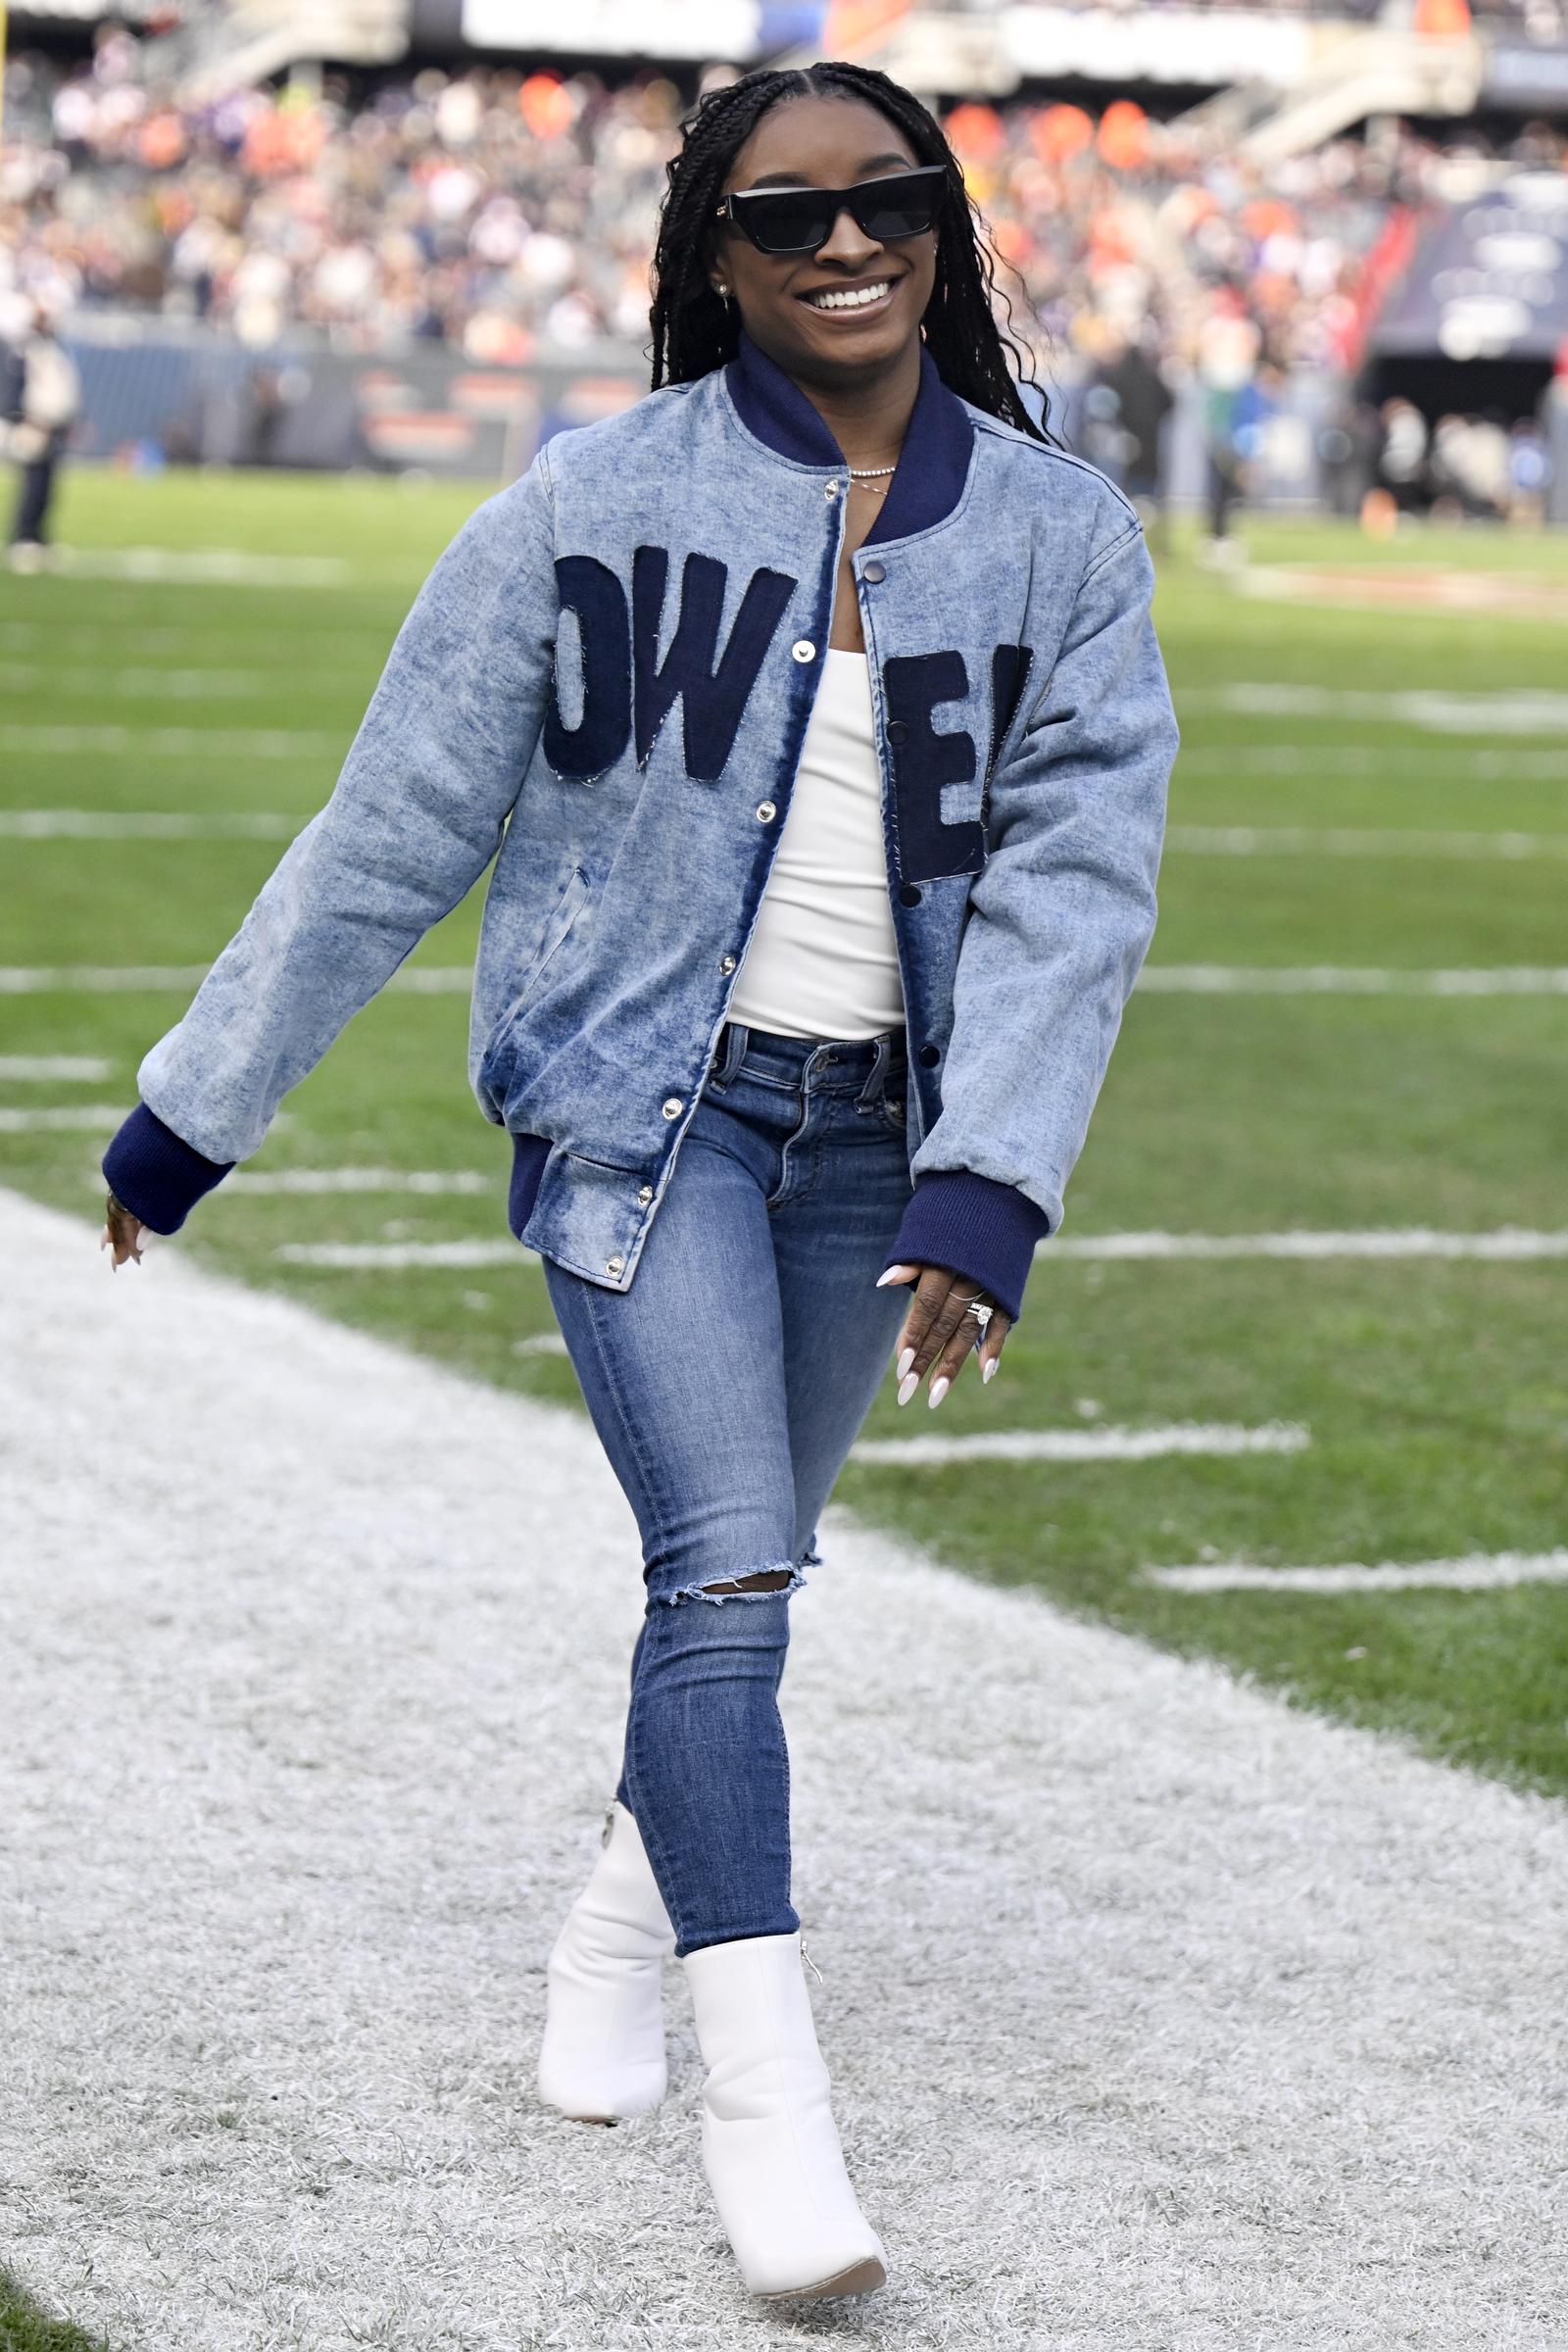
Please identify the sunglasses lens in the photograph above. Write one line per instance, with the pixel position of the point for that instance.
(800, 220)
(797, 222)
(901, 212)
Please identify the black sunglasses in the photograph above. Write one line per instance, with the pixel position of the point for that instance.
(904, 204)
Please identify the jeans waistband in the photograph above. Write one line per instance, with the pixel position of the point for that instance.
(829, 1064)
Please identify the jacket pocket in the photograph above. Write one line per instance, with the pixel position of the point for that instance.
(562, 914)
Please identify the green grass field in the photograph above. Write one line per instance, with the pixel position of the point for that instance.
(1434, 1390)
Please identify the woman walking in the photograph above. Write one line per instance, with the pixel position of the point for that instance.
(814, 709)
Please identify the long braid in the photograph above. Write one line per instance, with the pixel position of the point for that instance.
(695, 331)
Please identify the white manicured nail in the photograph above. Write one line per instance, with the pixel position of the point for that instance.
(938, 1389)
(987, 1367)
(904, 1362)
(908, 1386)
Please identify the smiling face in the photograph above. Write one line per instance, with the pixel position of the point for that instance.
(868, 298)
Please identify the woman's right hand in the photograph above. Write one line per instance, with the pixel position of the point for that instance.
(122, 1233)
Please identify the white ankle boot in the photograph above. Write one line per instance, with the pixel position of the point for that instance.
(770, 2147)
(602, 2054)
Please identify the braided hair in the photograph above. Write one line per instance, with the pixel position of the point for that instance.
(694, 330)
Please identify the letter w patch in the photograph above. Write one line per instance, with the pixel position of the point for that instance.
(712, 692)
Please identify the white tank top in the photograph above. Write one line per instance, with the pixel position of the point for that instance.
(822, 960)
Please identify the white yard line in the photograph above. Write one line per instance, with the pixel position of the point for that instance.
(197, 743)
(1507, 711)
(1088, 1444)
(215, 567)
(1344, 841)
(136, 824)
(1478, 1572)
(172, 685)
(1329, 761)
(1351, 980)
(98, 1117)
(115, 979)
(365, 1180)
(1144, 1994)
(1169, 979)
(352, 1258)
(1507, 1242)
(13, 1066)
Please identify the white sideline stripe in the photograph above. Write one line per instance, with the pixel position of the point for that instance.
(1478, 1572)
(1506, 710)
(16, 1066)
(216, 566)
(1087, 1445)
(204, 743)
(1507, 1242)
(99, 1117)
(112, 979)
(110, 824)
(362, 1257)
(1340, 841)
(1351, 980)
(342, 1642)
(543, 1342)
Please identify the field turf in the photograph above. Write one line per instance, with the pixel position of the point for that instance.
(1433, 1389)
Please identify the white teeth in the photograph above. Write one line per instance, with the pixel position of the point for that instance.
(853, 299)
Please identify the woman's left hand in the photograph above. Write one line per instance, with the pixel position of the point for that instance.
(939, 1332)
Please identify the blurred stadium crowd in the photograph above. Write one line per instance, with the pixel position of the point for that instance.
(494, 211)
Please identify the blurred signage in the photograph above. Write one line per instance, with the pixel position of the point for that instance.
(1491, 280)
(696, 29)
(1195, 45)
(1525, 75)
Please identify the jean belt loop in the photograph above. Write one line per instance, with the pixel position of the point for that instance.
(871, 1092)
(737, 1037)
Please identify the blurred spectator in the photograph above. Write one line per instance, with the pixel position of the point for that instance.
(40, 399)
(494, 210)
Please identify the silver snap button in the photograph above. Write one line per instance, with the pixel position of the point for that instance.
(727, 964)
(804, 650)
(873, 571)
(765, 812)
(832, 490)
(615, 1265)
(674, 1106)
(644, 1195)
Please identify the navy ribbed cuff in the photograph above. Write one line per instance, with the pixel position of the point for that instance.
(155, 1173)
(975, 1227)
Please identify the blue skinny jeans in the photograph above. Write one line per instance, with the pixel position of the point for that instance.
(727, 1385)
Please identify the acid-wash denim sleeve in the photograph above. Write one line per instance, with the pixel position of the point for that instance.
(417, 815)
(1061, 917)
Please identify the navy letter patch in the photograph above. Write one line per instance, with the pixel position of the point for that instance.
(590, 590)
(713, 698)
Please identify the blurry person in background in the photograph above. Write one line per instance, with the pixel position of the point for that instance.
(41, 400)
(1528, 474)
(1228, 346)
(1126, 408)
(1402, 463)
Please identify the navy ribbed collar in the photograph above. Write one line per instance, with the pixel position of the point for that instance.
(933, 464)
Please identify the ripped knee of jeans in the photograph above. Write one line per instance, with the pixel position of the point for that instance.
(746, 1583)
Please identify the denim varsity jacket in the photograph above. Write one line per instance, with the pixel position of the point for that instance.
(606, 679)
